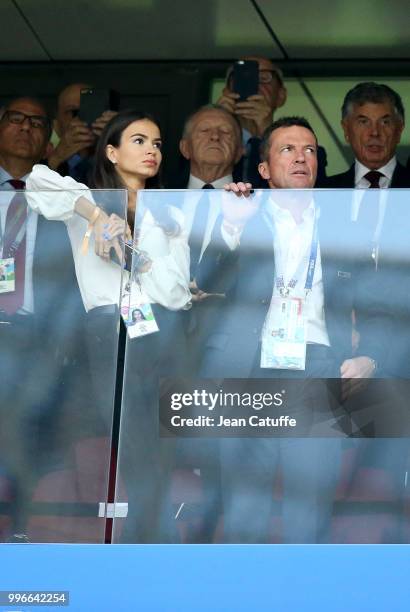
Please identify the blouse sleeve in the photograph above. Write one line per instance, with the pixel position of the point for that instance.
(41, 187)
(167, 281)
(55, 197)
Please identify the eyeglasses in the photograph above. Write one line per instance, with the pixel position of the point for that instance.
(17, 117)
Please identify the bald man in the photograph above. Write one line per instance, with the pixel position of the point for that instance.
(255, 115)
(72, 156)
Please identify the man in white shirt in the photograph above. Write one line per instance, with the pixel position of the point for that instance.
(289, 252)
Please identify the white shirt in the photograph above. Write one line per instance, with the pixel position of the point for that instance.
(6, 196)
(191, 202)
(362, 183)
(292, 242)
(100, 282)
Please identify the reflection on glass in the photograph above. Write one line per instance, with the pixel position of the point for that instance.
(304, 300)
(60, 368)
(259, 257)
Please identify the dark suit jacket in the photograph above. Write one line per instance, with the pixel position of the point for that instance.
(393, 287)
(49, 345)
(245, 170)
(248, 276)
(58, 306)
(82, 172)
(345, 180)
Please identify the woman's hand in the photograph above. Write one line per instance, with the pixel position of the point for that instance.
(107, 231)
(118, 227)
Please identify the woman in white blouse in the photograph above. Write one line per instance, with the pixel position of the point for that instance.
(128, 156)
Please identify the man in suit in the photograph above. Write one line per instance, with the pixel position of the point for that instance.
(269, 247)
(372, 121)
(39, 310)
(211, 143)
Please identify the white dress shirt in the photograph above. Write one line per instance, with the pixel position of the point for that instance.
(292, 243)
(100, 282)
(6, 196)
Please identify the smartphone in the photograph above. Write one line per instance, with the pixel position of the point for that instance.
(94, 102)
(245, 78)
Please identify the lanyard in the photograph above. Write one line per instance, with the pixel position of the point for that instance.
(20, 235)
(280, 284)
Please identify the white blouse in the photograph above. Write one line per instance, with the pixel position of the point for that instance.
(166, 283)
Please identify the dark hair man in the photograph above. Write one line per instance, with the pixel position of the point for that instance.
(372, 121)
(285, 260)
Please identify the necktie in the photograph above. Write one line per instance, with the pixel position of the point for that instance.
(14, 245)
(374, 177)
(197, 234)
(369, 212)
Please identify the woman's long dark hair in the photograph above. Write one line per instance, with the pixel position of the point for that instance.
(105, 175)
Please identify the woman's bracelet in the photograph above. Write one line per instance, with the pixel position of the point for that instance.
(86, 239)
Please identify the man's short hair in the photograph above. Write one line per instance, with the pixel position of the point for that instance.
(375, 93)
(188, 123)
(280, 123)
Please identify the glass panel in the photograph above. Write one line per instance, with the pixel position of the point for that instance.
(59, 311)
(158, 297)
(272, 409)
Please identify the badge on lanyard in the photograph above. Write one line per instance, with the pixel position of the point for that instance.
(137, 313)
(284, 340)
(284, 335)
(7, 275)
(7, 261)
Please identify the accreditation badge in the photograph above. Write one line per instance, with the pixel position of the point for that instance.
(284, 337)
(7, 275)
(137, 314)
